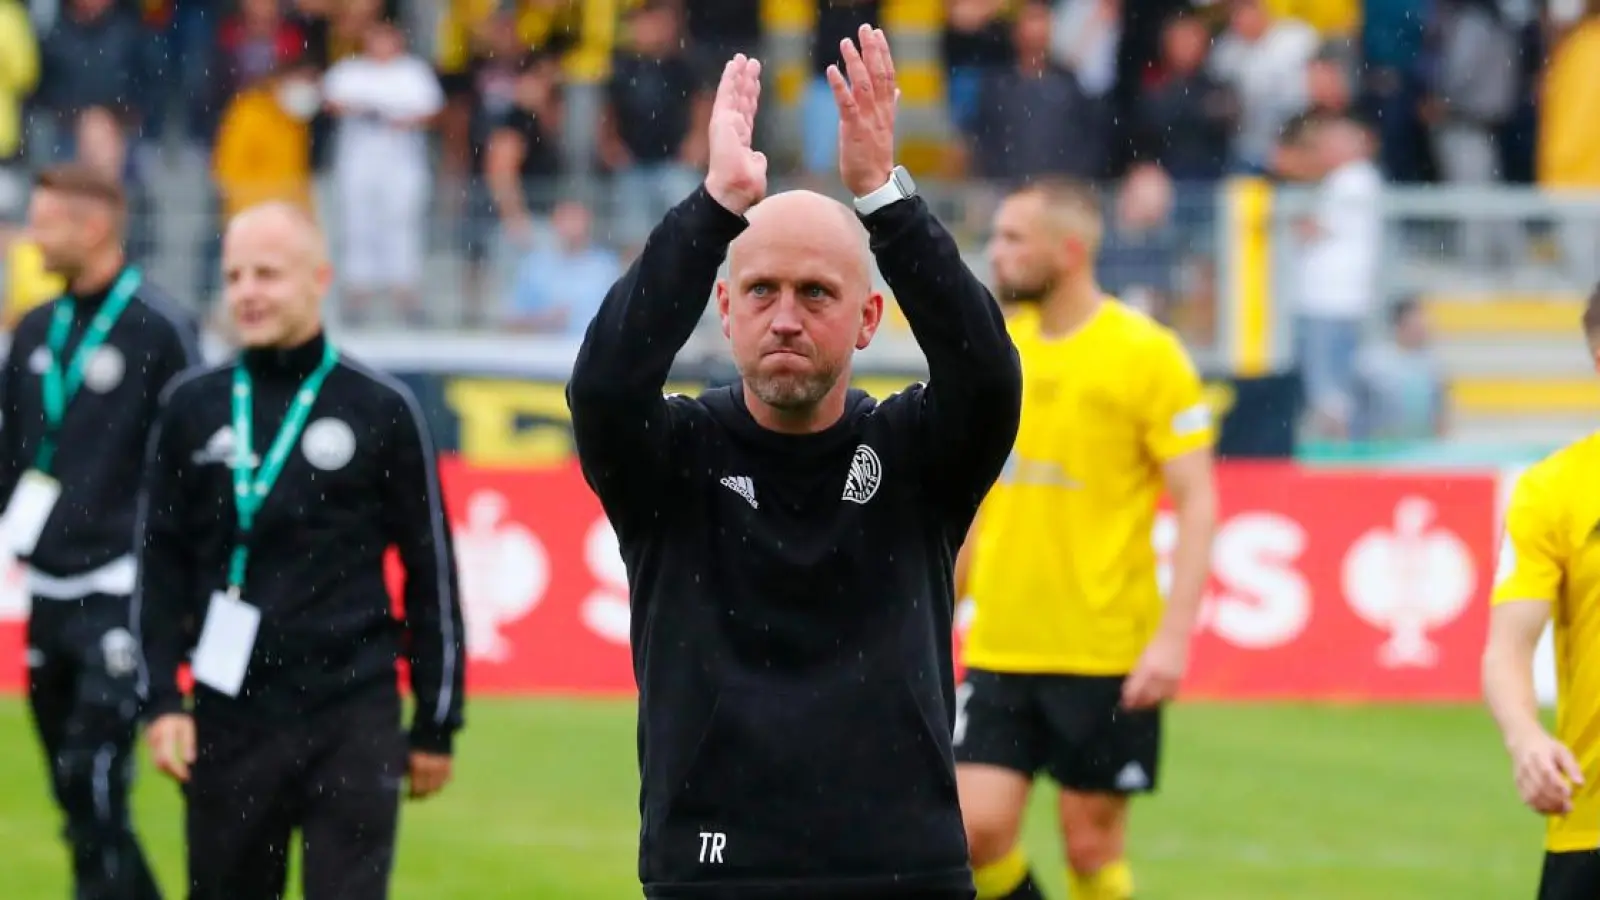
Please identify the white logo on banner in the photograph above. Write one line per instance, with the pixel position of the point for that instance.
(504, 571)
(1407, 580)
(606, 611)
(1260, 599)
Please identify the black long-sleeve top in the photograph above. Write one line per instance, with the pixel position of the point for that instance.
(792, 594)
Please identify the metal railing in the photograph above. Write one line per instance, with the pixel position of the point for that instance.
(471, 259)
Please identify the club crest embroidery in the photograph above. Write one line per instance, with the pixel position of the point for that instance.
(866, 472)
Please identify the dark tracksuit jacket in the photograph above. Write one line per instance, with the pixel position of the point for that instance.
(316, 569)
(792, 595)
(103, 434)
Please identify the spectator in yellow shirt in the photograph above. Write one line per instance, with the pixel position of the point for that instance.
(1569, 125)
(1331, 18)
(27, 283)
(263, 151)
(19, 72)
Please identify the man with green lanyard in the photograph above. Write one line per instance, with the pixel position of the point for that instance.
(80, 386)
(275, 484)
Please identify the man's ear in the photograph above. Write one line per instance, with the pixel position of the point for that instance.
(871, 318)
(723, 298)
(324, 278)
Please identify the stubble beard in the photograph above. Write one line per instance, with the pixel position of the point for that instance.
(792, 392)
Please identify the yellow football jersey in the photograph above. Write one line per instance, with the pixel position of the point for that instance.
(1063, 566)
(1551, 551)
(27, 283)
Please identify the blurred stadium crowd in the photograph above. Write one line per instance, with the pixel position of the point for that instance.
(491, 164)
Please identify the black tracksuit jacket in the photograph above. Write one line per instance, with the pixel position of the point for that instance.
(107, 422)
(363, 477)
(792, 595)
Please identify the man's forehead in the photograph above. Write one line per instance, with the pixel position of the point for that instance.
(270, 237)
(822, 245)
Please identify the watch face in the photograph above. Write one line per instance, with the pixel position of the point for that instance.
(903, 180)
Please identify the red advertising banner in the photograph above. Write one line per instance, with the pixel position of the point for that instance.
(1325, 586)
(1357, 586)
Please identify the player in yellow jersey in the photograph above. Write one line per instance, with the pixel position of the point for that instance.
(1072, 651)
(1550, 569)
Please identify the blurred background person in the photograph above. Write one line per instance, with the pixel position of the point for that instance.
(1034, 118)
(1471, 94)
(102, 143)
(560, 283)
(1339, 266)
(20, 266)
(96, 54)
(262, 153)
(1392, 47)
(495, 71)
(19, 75)
(1187, 114)
(975, 41)
(383, 100)
(653, 132)
(1139, 253)
(819, 118)
(1569, 135)
(1402, 392)
(255, 41)
(1264, 61)
(1086, 40)
(522, 151)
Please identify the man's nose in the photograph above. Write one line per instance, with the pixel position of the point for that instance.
(786, 318)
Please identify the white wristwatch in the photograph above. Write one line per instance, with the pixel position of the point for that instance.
(898, 187)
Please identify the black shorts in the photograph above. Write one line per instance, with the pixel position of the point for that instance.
(1071, 727)
(1570, 876)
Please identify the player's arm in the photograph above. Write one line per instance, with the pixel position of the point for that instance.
(415, 522)
(162, 597)
(1529, 579)
(973, 399)
(1191, 484)
(621, 422)
(967, 414)
(1515, 627)
(1178, 434)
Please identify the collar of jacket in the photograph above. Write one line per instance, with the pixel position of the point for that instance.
(291, 362)
(87, 304)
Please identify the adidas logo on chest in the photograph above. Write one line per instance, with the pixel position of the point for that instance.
(860, 484)
(744, 487)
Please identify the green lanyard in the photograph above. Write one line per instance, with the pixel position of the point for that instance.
(249, 493)
(60, 387)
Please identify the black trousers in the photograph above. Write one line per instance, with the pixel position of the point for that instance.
(1570, 876)
(334, 777)
(82, 666)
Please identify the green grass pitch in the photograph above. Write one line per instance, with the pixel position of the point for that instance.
(1258, 803)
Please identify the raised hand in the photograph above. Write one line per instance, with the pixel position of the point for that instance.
(866, 102)
(736, 175)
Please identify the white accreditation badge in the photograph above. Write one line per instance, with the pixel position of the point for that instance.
(31, 504)
(227, 640)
